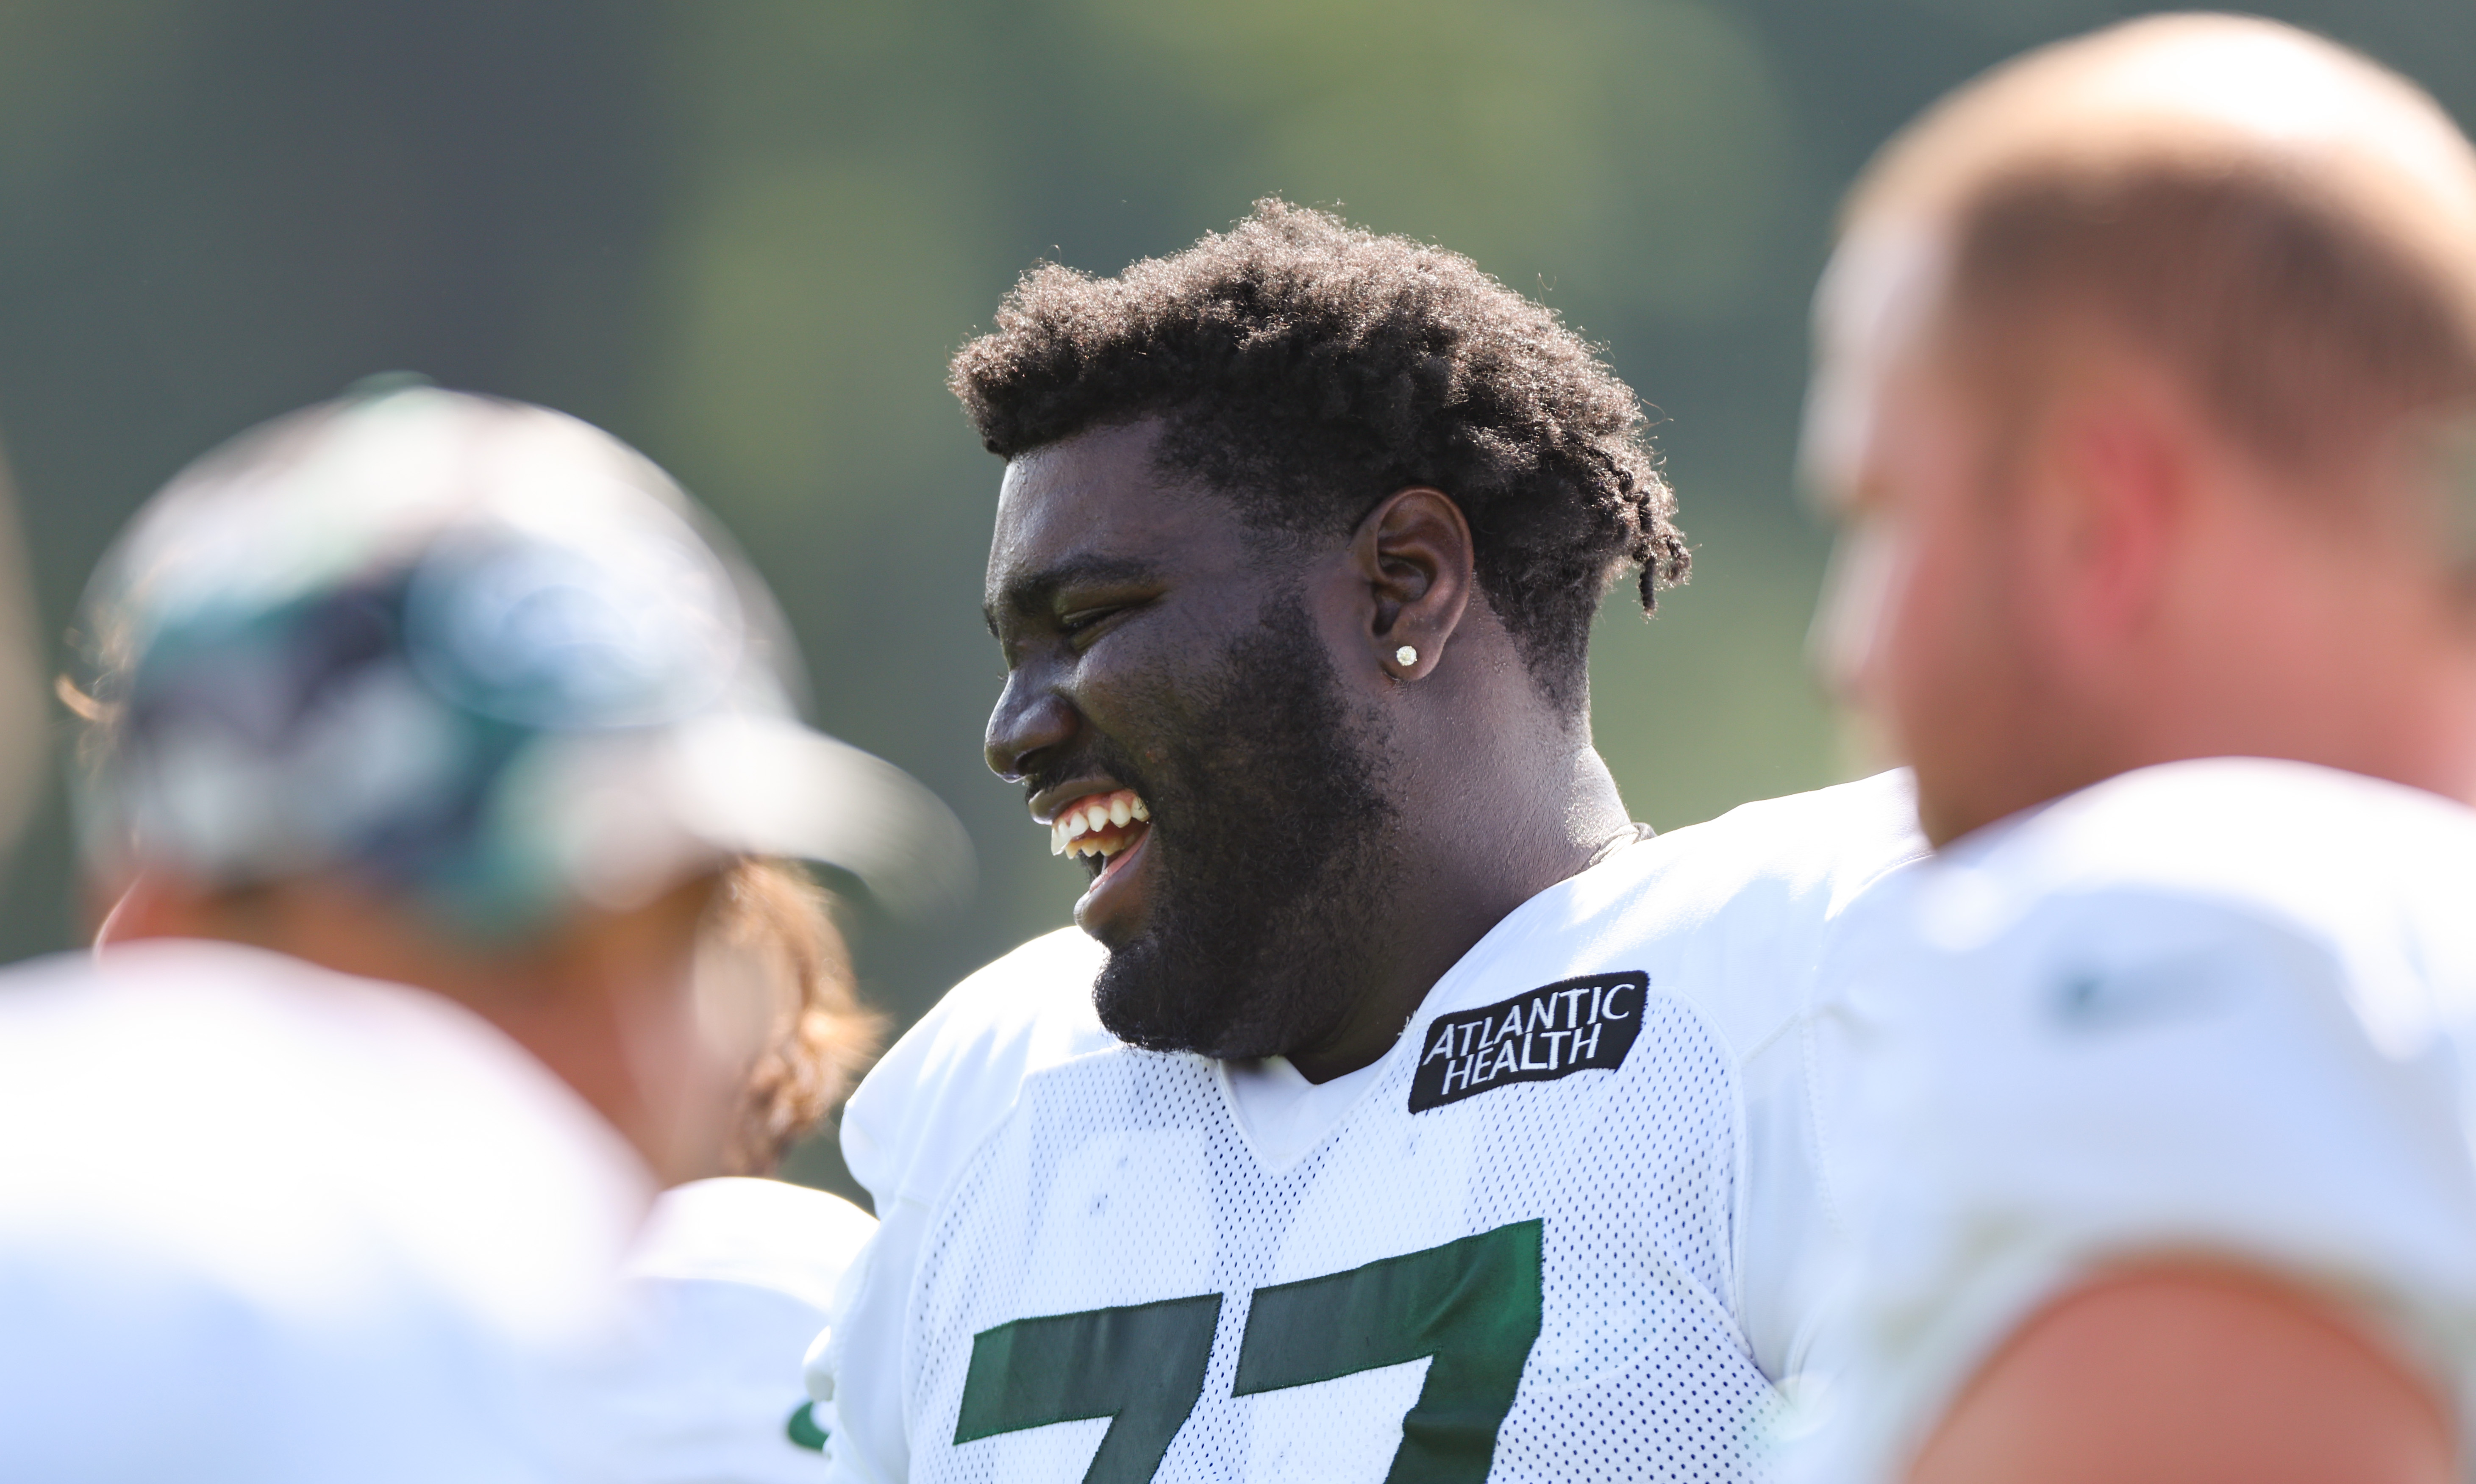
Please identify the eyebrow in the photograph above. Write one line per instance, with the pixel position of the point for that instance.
(1034, 591)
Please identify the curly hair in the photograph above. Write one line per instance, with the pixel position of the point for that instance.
(1309, 368)
(820, 1037)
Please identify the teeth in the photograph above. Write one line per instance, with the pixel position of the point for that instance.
(1096, 824)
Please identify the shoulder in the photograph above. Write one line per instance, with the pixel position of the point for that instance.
(2201, 896)
(1831, 840)
(2217, 1006)
(1800, 857)
(2232, 828)
(953, 1076)
(2368, 879)
(756, 1233)
(296, 1120)
(1736, 910)
(353, 1197)
(733, 1282)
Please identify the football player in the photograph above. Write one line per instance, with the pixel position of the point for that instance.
(2148, 369)
(424, 730)
(1409, 1112)
(734, 1275)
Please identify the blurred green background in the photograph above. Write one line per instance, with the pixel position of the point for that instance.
(745, 233)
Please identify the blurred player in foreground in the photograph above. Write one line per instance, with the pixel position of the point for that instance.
(2147, 370)
(1425, 1115)
(424, 730)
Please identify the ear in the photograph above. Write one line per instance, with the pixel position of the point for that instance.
(2123, 478)
(143, 906)
(1414, 553)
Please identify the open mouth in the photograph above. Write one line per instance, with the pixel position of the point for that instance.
(1099, 829)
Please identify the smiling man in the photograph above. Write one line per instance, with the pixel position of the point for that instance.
(1416, 1113)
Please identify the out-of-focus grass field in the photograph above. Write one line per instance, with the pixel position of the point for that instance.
(746, 237)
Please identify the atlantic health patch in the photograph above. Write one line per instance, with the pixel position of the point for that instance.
(1536, 1037)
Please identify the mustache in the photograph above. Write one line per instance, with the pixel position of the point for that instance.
(1094, 759)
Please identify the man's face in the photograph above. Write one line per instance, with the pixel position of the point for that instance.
(1927, 622)
(1175, 716)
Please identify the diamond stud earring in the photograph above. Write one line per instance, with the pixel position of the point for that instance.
(1405, 656)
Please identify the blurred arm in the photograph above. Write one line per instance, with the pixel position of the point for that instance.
(2195, 1373)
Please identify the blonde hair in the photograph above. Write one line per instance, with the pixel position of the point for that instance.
(820, 1037)
(2288, 226)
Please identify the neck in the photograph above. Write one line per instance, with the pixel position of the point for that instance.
(2363, 661)
(1480, 837)
(2332, 658)
(2406, 718)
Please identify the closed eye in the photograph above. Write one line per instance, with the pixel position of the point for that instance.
(1083, 625)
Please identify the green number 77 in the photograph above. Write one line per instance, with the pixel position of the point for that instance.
(1472, 1305)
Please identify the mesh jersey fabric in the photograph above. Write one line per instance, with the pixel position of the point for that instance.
(1123, 1180)
(2219, 1007)
(908, 1129)
(1116, 1179)
(952, 1077)
(1281, 1113)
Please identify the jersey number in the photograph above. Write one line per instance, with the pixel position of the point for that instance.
(1472, 1305)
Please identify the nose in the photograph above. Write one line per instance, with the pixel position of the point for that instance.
(1031, 717)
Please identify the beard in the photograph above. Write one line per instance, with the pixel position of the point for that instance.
(1272, 831)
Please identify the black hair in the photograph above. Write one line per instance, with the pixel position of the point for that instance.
(1309, 368)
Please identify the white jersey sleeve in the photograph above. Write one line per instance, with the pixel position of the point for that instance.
(907, 1133)
(2217, 1009)
(729, 1284)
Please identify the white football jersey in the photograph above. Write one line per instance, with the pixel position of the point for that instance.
(263, 1222)
(1551, 1235)
(906, 1131)
(729, 1285)
(2219, 1006)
